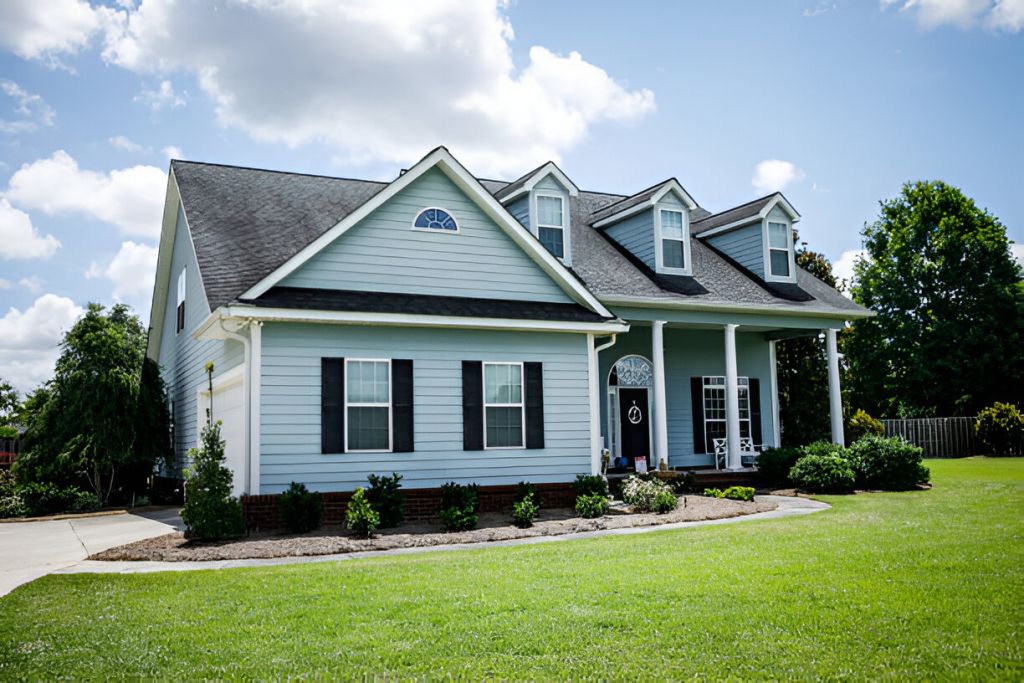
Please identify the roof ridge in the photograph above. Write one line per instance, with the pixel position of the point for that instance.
(278, 171)
(738, 206)
(630, 196)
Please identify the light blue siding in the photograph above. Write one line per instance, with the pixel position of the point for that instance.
(520, 209)
(182, 358)
(692, 353)
(744, 245)
(636, 234)
(549, 183)
(290, 442)
(383, 254)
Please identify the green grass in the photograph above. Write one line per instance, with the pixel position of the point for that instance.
(922, 585)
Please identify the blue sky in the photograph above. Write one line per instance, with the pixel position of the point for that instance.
(837, 103)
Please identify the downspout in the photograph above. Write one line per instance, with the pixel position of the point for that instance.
(596, 452)
(247, 408)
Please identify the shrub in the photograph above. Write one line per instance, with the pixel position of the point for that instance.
(590, 485)
(739, 493)
(1001, 428)
(386, 499)
(684, 482)
(11, 503)
(210, 513)
(524, 512)
(640, 493)
(40, 498)
(774, 464)
(591, 505)
(300, 509)
(8, 433)
(664, 501)
(524, 489)
(459, 506)
(85, 501)
(862, 424)
(825, 448)
(823, 474)
(714, 493)
(360, 516)
(891, 464)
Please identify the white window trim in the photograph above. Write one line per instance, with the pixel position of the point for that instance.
(182, 294)
(768, 276)
(435, 231)
(740, 387)
(390, 406)
(658, 246)
(535, 226)
(521, 405)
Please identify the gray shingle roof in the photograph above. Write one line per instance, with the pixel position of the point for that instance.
(517, 183)
(749, 210)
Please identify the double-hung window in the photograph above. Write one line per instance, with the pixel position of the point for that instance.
(551, 223)
(714, 408)
(504, 423)
(179, 323)
(673, 239)
(778, 249)
(367, 405)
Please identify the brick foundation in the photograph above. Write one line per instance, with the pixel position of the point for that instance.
(421, 505)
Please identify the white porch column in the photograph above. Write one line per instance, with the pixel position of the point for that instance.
(835, 399)
(255, 414)
(732, 401)
(660, 422)
(776, 425)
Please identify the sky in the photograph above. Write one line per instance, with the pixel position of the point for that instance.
(836, 103)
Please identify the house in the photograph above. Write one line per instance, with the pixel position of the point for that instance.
(454, 328)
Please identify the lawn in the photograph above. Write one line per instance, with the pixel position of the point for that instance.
(922, 585)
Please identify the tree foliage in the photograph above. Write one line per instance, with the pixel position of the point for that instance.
(9, 403)
(948, 336)
(102, 419)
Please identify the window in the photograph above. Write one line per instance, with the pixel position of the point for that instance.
(673, 239)
(435, 219)
(179, 324)
(551, 223)
(714, 408)
(503, 405)
(778, 249)
(367, 405)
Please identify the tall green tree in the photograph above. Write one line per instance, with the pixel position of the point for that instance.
(9, 403)
(948, 336)
(102, 420)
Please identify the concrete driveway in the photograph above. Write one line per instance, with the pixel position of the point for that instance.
(29, 550)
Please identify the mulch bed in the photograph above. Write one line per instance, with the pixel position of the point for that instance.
(493, 526)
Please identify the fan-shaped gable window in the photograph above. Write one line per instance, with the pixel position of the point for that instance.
(435, 219)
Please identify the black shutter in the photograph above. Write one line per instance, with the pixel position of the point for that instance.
(697, 401)
(754, 392)
(534, 404)
(332, 405)
(401, 406)
(472, 405)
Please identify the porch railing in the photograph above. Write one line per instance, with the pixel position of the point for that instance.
(939, 437)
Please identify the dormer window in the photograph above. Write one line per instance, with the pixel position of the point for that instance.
(778, 250)
(672, 249)
(551, 215)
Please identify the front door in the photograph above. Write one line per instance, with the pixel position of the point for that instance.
(635, 424)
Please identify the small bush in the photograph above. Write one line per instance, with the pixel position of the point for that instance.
(889, 464)
(714, 493)
(524, 512)
(664, 501)
(48, 499)
(11, 505)
(300, 509)
(591, 505)
(385, 497)
(685, 482)
(360, 517)
(524, 489)
(825, 448)
(459, 506)
(862, 424)
(640, 493)
(1000, 427)
(823, 474)
(774, 464)
(8, 433)
(590, 485)
(85, 501)
(739, 493)
(210, 513)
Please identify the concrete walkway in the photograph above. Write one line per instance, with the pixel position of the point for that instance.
(29, 550)
(788, 507)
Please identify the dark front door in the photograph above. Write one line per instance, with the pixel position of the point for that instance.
(635, 429)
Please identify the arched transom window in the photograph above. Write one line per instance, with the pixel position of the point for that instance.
(435, 219)
(631, 371)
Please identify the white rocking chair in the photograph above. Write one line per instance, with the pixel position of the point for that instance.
(748, 452)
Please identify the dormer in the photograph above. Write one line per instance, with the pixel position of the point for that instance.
(757, 235)
(652, 225)
(541, 201)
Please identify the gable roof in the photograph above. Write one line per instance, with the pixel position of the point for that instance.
(743, 214)
(640, 201)
(525, 183)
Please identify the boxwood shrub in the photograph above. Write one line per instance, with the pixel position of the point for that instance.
(774, 464)
(386, 498)
(823, 474)
(591, 505)
(459, 506)
(590, 485)
(300, 509)
(890, 464)
(1001, 428)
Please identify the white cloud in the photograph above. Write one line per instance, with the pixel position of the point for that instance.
(820, 7)
(132, 271)
(162, 96)
(121, 142)
(130, 198)
(1004, 15)
(173, 152)
(773, 175)
(843, 268)
(32, 283)
(378, 81)
(32, 110)
(29, 339)
(19, 239)
(1017, 251)
(33, 29)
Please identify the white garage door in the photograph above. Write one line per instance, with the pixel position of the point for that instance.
(229, 408)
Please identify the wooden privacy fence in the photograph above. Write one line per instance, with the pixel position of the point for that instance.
(940, 437)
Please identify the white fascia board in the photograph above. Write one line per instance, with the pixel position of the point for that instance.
(674, 186)
(208, 330)
(781, 201)
(165, 253)
(645, 302)
(543, 172)
(456, 172)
